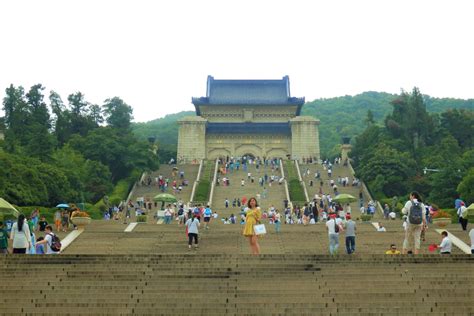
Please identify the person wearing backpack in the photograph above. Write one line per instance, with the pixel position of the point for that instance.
(414, 209)
(334, 227)
(53, 245)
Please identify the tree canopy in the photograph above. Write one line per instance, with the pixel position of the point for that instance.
(55, 152)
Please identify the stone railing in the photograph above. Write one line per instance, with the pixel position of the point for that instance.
(287, 192)
(214, 179)
(196, 181)
(303, 184)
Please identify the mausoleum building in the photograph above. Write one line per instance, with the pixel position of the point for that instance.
(248, 117)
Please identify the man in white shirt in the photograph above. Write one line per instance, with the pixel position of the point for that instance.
(446, 245)
(192, 225)
(462, 214)
(381, 228)
(48, 240)
(334, 226)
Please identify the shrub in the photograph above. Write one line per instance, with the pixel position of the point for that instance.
(142, 218)
(202, 191)
(366, 217)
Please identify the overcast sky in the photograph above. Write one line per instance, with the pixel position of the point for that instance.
(156, 55)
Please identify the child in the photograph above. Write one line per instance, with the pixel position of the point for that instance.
(446, 245)
(42, 224)
(39, 247)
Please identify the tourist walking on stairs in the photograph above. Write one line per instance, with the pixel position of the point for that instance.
(414, 209)
(350, 227)
(333, 227)
(192, 226)
(20, 234)
(252, 218)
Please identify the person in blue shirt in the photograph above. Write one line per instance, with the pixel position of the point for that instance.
(207, 216)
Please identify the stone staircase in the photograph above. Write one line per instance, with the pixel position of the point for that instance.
(275, 192)
(148, 192)
(150, 271)
(221, 284)
(338, 170)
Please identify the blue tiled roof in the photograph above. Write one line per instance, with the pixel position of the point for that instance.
(249, 128)
(248, 92)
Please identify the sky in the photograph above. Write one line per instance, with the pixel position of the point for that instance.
(156, 55)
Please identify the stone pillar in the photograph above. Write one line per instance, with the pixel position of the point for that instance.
(191, 139)
(304, 138)
(345, 149)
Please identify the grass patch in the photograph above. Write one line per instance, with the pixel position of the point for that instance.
(296, 191)
(202, 192)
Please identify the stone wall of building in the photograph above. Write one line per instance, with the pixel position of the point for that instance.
(191, 139)
(270, 146)
(242, 113)
(304, 138)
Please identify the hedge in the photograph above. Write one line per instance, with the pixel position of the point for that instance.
(202, 191)
(296, 191)
(119, 193)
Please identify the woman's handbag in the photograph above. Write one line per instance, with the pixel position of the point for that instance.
(259, 229)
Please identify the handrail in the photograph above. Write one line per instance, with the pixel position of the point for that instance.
(214, 179)
(196, 182)
(301, 180)
(287, 192)
(130, 194)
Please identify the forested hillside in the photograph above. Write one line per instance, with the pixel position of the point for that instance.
(340, 116)
(56, 152)
(413, 149)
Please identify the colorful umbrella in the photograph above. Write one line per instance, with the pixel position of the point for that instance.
(344, 198)
(165, 197)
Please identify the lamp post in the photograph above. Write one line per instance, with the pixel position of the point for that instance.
(427, 169)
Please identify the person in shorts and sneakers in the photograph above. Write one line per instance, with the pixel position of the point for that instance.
(207, 216)
(415, 211)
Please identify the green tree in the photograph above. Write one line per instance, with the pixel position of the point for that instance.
(369, 120)
(61, 123)
(444, 184)
(118, 114)
(410, 119)
(466, 187)
(16, 118)
(460, 124)
(81, 121)
(40, 143)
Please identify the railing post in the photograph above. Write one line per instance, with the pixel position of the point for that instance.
(285, 182)
(214, 178)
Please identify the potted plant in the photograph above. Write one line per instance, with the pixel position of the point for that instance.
(142, 218)
(80, 218)
(441, 218)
